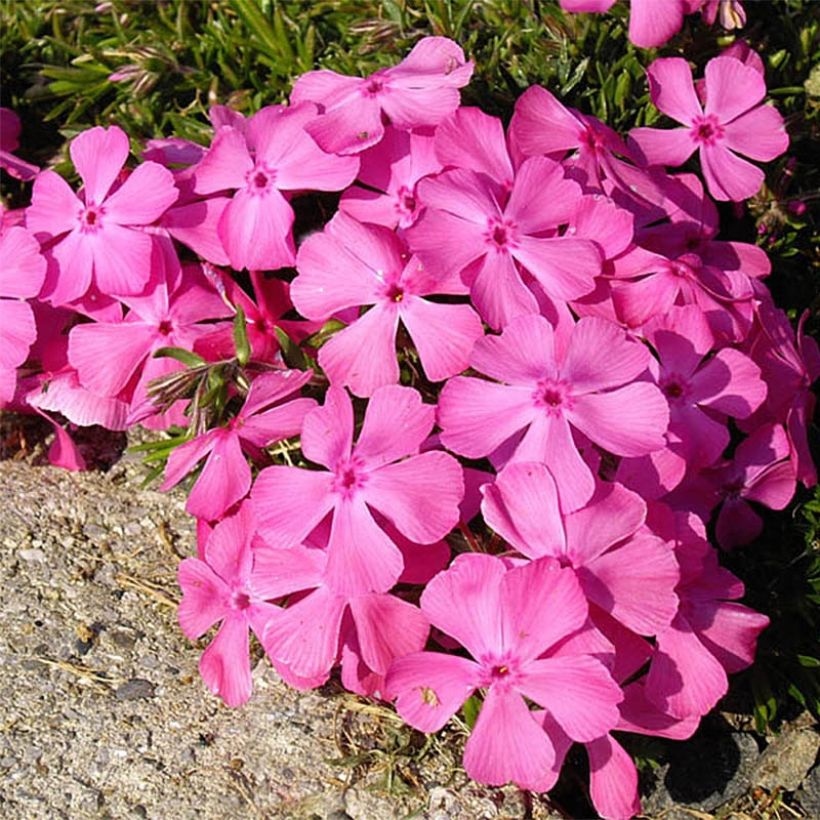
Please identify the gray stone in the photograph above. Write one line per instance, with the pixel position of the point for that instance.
(135, 689)
(808, 796)
(787, 759)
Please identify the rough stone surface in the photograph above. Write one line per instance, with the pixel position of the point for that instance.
(787, 760)
(808, 796)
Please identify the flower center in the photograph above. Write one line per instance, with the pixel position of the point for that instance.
(349, 477)
(260, 179)
(732, 489)
(165, 327)
(500, 234)
(240, 600)
(407, 201)
(394, 292)
(373, 87)
(674, 387)
(90, 219)
(707, 129)
(552, 396)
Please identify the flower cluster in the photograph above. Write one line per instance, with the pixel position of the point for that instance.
(464, 440)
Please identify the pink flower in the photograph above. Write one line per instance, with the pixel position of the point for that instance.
(732, 121)
(390, 171)
(418, 493)
(651, 22)
(511, 622)
(225, 586)
(351, 265)
(99, 237)
(421, 90)
(545, 388)
(263, 420)
(730, 13)
(9, 142)
(368, 630)
(21, 277)
(625, 571)
(468, 223)
(271, 154)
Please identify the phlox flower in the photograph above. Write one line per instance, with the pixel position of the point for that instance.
(468, 223)
(624, 570)
(383, 471)
(711, 634)
(421, 90)
(351, 265)
(651, 22)
(263, 419)
(9, 142)
(388, 177)
(225, 585)
(730, 123)
(272, 153)
(98, 237)
(21, 277)
(544, 388)
(367, 630)
(512, 622)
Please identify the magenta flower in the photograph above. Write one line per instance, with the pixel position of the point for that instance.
(9, 142)
(390, 171)
(309, 635)
(21, 277)
(542, 392)
(622, 569)
(383, 470)
(351, 265)
(467, 224)
(423, 89)
(225, 586)
(263, 420)
(98, 236)
(511, 622)
(731, 123)
(271, 154)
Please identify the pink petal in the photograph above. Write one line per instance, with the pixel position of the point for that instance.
(629, 421)
(256, 231)
(465, 603)
(507, 744)
(444, 335)
(420, 495)
(732, 88)
(728, 176)
(396, 424)
(195, 225)
(306, 636)
(142, 199)
(498, 292)
(19, 332)
(521, 355)
(613, 780)
(652, 25)
(362, 356)
(730, 632)
(477, 417)
(280, 572)
(444, 241)
(564, 266)
(276, 424)
(228, 548)
(434, 62)
(759, 134)
(542, 197)
(224, 480)
(635, 584)
(290, 502)
(684, 679)
(225, 664)
(638, 301)
(542, 125)
(99, 155)
(657, 146)
(185, 457)
(122, 259)
(430, 687)
(327, 431)
(361, 556)
(587, 370)
(387, 628)
(126, 344)
(641, 716)
(324, 87)
(729, 383)
(577, 691)
(522, 507)
(774, 488)
(24, 269)
(349, 127)
(460, 193)
(225, 165)
(411, 108)
(204, 598)
(54, 208)
(672, 89)
(63, 452)
(737, 524)
(541, 604)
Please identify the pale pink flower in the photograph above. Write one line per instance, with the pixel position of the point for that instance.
(263, 420)
(730, 123)
(729, 13)
(470, 228)
(271, 154)
(98, 236)
(383, 470)
(422, 90)
(544, 389)
(512, 622)
(225, 586)
(351, 265)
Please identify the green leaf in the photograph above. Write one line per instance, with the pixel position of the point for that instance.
(291, 352)
(240, 337)
(470, 710)
(322, 335)
(187, 357)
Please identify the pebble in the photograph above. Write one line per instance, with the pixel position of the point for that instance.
(135, 689)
